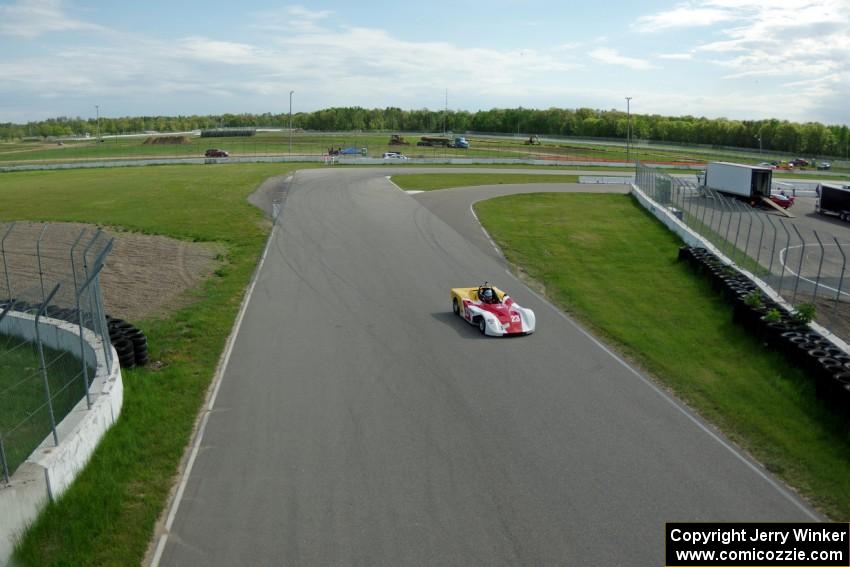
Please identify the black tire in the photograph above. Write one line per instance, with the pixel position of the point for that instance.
(127, 328)
(482, 325)
(455, 306)
(139, 341)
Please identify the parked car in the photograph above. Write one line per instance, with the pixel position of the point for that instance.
(783, 200)
(214, 152)
(799, 162)
(824, 165)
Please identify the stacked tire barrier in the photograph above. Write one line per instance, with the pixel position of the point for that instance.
(804, 347)
(130, 343)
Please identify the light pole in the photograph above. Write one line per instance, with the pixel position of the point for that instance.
(97, 111)
(628, 129)
(446, 114)
(758, 136)
(290, 122)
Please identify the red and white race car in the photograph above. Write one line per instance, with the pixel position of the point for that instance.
(492, 311)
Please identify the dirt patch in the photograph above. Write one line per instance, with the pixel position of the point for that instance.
(835, 316)
(166, 140)
(144, 276)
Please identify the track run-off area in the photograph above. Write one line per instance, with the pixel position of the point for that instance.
(359, 422)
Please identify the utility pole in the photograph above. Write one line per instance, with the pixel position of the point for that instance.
(759, 139)
(97, 110)
(446, 114)
(628, 129)
(290, 122)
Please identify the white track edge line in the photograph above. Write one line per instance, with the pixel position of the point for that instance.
(231, 340)
(783, 257)
(675, 403)
(487, 234)
(389, 178)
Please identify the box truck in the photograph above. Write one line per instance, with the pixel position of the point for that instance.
(833, 199)
(748, 182)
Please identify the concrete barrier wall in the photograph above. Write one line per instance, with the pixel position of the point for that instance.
(329, 160)
(51, 469)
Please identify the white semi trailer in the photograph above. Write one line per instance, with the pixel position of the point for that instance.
(748, 182)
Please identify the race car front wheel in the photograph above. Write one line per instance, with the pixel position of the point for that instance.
(455, 306)
(482, 325)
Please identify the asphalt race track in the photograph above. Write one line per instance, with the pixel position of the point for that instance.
(359, 422)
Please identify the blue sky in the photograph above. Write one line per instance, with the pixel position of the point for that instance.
(743, 59)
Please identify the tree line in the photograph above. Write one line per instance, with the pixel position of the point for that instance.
(810, 138)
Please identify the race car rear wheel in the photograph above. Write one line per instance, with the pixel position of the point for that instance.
(455, 306)
(482, 325)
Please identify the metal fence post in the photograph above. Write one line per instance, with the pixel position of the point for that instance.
(704, 207)
(738, 226)
(43, 364)
(820, 266)
(5, 264)
(750, 216)
(724, 236)
(38, 254)
(800, 265)
(86, 252)
(73, 262)
(761, 236)
(94, 239)
(713, 208)
(3, 462)
(99, 316)
(841, 278)
(78, 293)
(104, 336)
(787, 244)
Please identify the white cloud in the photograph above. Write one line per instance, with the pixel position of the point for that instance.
(345, 66)
(676, 56)
(30, 19)
(612, 57)
(216, 51)
(796, 40)
(682, 16)
(292, 19)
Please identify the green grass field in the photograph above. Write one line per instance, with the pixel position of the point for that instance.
(433, 181)
(24, 416)
(317, 144)
(107, 516)
(622, 280)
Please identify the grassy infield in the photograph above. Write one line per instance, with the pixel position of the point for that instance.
(108, 515)
(665, 318)
(22, 391)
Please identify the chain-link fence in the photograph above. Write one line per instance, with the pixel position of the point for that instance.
(50, 302)
(803, 264)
